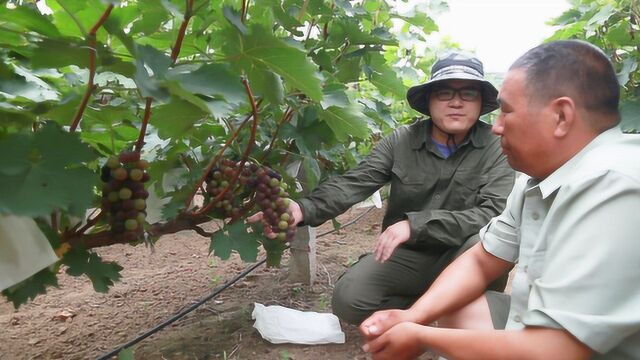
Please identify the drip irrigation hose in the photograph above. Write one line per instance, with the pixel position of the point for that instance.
(183, 312)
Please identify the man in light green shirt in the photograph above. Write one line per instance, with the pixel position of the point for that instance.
(571, 226)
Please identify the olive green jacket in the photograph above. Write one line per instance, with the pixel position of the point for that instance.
(445, 200)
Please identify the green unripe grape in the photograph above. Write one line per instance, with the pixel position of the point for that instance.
(119, 173)
(113, 162)
(224, 184)
(141, 217)
(282, 236)
(125, 193)
(284, 217)
(283, 225)
(113, 196)
(284, 185)
(274, 182)
(139, 204)
(217, 175)
(136, 174)
(131, 224)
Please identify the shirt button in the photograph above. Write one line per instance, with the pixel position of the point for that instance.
(437, 196)
(517, 318)
(535, 216)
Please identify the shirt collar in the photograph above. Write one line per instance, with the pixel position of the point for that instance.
(566, 172)
(423, 136)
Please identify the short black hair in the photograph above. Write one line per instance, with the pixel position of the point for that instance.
(576, 69)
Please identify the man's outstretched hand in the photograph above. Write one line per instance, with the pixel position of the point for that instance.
(294, 209)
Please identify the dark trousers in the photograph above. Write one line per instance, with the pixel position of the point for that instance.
(369, 286)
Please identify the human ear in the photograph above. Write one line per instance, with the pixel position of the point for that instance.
(564, 112)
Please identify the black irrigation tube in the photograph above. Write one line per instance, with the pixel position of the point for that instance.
(215, 293)
(183, 312)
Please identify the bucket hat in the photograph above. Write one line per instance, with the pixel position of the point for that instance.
(454, 66)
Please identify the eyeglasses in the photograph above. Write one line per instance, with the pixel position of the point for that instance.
(466, 94)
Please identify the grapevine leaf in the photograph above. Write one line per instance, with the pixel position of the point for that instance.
(126, 354)
(82, 262)
(213, 80)
(628, 66)
(234, 18)
(630, 111)
(221, 244)
(28, 289)
(153, 15)
(176, 118)
(235, 237)
(345, 122)
(261, 49)
(29, 18)
(311, 172)
(46, 173)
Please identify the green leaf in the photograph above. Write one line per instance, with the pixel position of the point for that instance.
(346, 122)
(234, 18)
(127, 354)
(262, 49)
(29, 18)
(148, 57)
(630, 112)
(235, 237)
(311, 172)
(215, 80)
(28, 289)
(152, 15)
(45, 173)
(568, 32)
(601, 16)
(82, 262)
(176, 118)
(629, 65)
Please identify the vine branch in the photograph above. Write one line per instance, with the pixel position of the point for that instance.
(93, 44)
(245, 155)
(145, 122)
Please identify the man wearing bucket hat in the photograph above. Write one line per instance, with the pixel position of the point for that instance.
(447, 176)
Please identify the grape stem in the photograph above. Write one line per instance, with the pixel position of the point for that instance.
(106, 238)
(286, 117)
(93, 44)
(245, 155)
(175, 51)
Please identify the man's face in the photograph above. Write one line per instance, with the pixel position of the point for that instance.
(455, 105)
(525, 128)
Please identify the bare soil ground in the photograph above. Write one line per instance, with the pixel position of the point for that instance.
(74, 322)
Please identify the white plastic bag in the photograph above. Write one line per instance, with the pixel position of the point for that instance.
(279, 325)
(24, 250)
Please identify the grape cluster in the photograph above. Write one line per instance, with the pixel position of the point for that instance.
(271, 196)
(260, 182)
(218, 179)
(123, 194)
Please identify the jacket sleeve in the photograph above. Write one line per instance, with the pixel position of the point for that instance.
(448, 228)
(339, 193)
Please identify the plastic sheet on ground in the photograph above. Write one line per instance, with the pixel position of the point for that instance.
(280, 325)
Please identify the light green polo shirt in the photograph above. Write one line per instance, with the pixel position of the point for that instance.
(575, 236)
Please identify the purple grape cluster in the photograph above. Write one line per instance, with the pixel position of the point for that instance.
(124, 196)
(262, 184)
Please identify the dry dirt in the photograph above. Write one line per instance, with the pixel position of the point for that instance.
(74, 322)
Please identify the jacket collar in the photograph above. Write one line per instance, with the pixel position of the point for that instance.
(422, 135)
